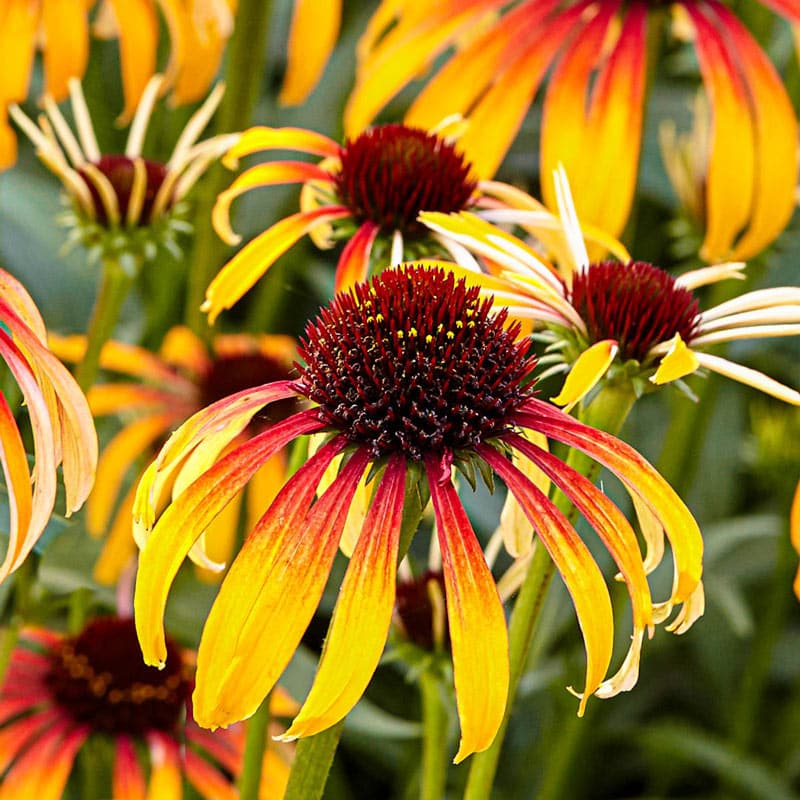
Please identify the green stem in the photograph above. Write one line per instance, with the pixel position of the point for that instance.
(24, 579)
(116, 282)
(312, 763)
(254, 748)
(244, 73)
(78, 611)
(434, 737)
(608, 411)
(747, 704)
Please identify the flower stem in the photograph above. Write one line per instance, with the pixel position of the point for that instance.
(608, 411)
(434, 737)
(312, 763)
(116, 282)
(244, 74)
(254, 748)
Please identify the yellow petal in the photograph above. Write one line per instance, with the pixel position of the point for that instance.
(677, 363)
(312, 36)
(363, 613)
(66, 49)
(794, 531)
(589, 368)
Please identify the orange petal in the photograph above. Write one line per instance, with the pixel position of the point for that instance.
(637, 474)
(253, 260)
(188, 516)
(580, 573)
(312, 37)
(478, 635)
(119, 547)
(272, 591)
(353, 266)
(208, 780)
(128, 777)
(137, 24)
(18, 23)
(254, 140)
(66, 48)
(272, 174)
(363, 612)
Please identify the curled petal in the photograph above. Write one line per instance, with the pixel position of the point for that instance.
(363, 612)
(749, 377)
(478, 635)
(580, 573)
(271, 592)
(353, 266)
(271, 174)
(254, 140)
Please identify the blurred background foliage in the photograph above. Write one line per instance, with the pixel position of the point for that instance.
(716, 713)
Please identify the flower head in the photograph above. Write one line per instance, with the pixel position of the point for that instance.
(596, 56)
(155, 393)
(60, 690)
(63, 433)
(123, 202)
(368, 192)
(410, 375)
(625, 315)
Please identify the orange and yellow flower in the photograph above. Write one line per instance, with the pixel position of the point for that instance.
(60, 690)
(409, 376)
(367, 192)
(63, 432)
(595, 53)
(157, 393)
(618, 312)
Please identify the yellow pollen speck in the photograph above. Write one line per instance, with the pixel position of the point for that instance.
(412, 332)
(451, 335)
(428, 339)
(470, 324)
(379, 317)
(439, 328)
(459, 323)
(399, 334)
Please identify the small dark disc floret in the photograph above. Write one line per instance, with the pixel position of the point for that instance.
(414, 362)
(392, 172)
(100, 679)
(119, 170)
(637, 304)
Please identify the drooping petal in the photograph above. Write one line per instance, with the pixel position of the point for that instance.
(589, 368)
(514, 527)
(254, 140)
(607, 520)
(17, 479)
(601, 153)
(636, 473)
(580, 573)
(353, 266)
(271, 592)
(776, 130)
(478, 635)
(137, 25)
(255, 258)
(18, 23)
(66, 48)
(362, 615)
(128, 777)
(312, 37)
(119, 546)
(271, 174)
(188, 516)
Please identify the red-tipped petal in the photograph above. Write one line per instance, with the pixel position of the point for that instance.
(353, 266)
